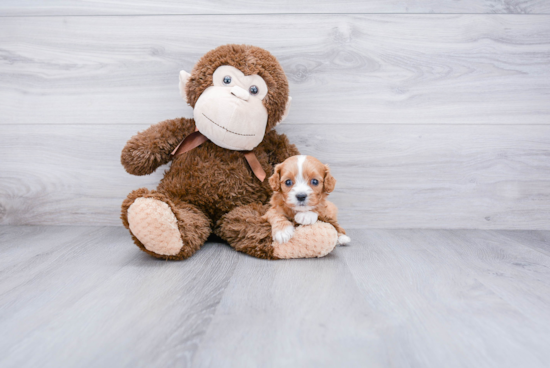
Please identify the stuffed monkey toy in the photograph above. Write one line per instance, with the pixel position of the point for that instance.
(219, 162)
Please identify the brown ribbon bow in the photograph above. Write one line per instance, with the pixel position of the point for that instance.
(196, 138)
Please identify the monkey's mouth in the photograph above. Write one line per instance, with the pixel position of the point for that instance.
(227, 130)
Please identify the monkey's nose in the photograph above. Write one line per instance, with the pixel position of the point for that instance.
(240, 93)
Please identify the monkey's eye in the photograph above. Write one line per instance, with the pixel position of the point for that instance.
(314, 182)
(288, 182)
(253, 89)
(227, 79)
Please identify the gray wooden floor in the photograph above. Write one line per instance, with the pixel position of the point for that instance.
(85, 296)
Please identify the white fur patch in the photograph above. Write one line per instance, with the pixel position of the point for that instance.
(306, 218)
(300, 187)
(285, 235)
(343, 240)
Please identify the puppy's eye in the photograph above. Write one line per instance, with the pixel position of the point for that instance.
(253, 90)
(288, 182)
(227, 79)
(314, 182)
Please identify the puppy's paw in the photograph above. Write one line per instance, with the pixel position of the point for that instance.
(344, 240)
(306, 218)
(283, 236)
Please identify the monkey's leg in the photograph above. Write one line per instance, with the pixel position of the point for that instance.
(163, 227)
(246, 231)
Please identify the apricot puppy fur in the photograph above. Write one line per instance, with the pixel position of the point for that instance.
(300, 186)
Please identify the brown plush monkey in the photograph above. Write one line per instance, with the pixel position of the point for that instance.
(219, 162)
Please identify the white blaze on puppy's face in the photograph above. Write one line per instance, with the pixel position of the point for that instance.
(302, 181)
(301, 188)
(231, 112)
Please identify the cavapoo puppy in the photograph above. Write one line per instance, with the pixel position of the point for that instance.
(300, 186)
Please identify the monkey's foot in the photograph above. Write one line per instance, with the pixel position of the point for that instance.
(309, 241)
(155, 225)
(163, 227)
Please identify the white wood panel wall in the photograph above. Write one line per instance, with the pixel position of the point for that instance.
(124, 7)
(428, 120)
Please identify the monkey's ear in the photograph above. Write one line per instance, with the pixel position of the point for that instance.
(287, 109)
(329, 182)
(275, 179)
(184, 76)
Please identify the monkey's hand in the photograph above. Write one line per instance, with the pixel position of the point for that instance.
(148, 150)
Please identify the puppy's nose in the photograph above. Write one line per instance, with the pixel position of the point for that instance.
(240, 93)
(301, 197)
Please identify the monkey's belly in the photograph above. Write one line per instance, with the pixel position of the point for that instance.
(216, 185)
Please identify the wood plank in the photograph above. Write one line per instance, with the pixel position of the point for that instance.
(436, 307)
(94, 7)
(510, 267)
(87, 297)
(538, 240)
(96, 300)
(354, 69)
(382, 301)
(299, 313)
(485, 177)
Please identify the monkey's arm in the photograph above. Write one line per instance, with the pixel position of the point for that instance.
(278, 147)
(148, 150)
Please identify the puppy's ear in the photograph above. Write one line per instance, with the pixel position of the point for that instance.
(329, 182)
(275, 179)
